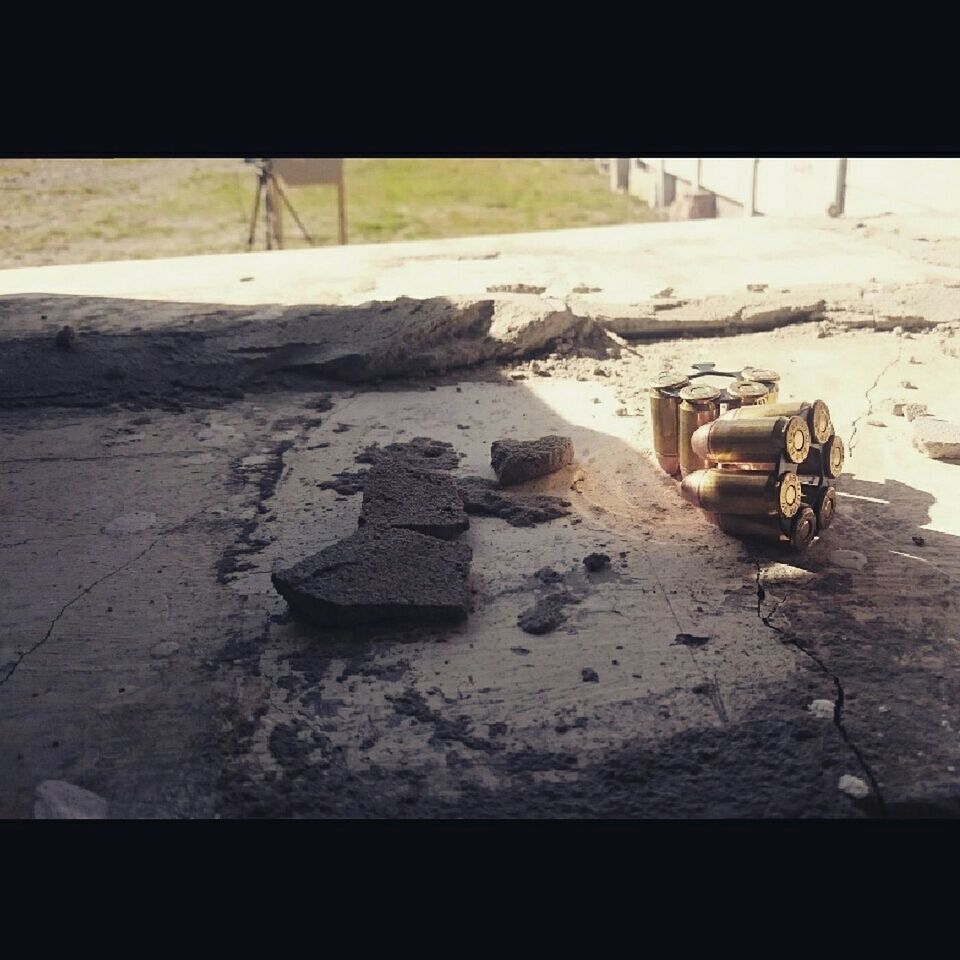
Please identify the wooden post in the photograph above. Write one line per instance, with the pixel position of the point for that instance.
(342, 210)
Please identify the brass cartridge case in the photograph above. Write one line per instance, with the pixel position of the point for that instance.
(763, 440)
(665, 417)
(746, 393)
(823, 502)
(746, 494)
(768, 377)
(830, 453)
(803, 528)
(816, 414)
(699, 405)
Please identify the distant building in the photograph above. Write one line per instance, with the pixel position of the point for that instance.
(790, 186)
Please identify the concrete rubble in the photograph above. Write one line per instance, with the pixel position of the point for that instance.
(515, 461)
(938, 439)
(380, 574)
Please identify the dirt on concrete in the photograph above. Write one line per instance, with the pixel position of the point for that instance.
(486, 498)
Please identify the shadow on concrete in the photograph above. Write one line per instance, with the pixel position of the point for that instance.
(775, 760)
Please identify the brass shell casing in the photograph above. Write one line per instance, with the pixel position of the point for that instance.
(763, 440)
(769, 377)
(743, 493)
(699, 406)
(816, 414)
(823, 502)
(747, 393)
(832, 455)
(665, 418)
(803, 528)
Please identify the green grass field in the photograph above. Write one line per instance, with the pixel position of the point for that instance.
(77, 211)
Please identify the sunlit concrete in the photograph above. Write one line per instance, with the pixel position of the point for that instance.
(627, 263)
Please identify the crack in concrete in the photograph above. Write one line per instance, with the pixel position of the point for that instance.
(26, 653)
(23, 654)
(866, 396)
(792, 640)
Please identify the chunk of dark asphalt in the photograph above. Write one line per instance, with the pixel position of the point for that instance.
(514, 461)
(484, 498)
(548, 575)
(689, 640)
(596, 561)
(919, 541)
(547, 614)
(380, 574)
(589, 675)
(400, 496)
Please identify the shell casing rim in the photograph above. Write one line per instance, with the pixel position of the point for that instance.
(799, 521)
(794, 426)
(787, 483)
(710, 395)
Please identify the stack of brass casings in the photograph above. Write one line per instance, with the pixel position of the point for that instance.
(758, 468)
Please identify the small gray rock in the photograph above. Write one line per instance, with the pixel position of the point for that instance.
(546, 615)
(589, 675)
(849, 559)
(853, 787)
(938, 439)
(59, 800)
(166, 649)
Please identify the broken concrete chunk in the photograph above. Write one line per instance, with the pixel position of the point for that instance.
(938, 439)
(484, 498)
(59, 800)
(400, 496)
(380, 574)
(913, 411)
(514, 461)
(589, 675)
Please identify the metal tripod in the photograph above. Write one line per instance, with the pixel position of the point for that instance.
(268, 184)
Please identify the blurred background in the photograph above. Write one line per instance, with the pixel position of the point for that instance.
(79, 211)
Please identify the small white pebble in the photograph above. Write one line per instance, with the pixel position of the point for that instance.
(823, 709)
(853, 786)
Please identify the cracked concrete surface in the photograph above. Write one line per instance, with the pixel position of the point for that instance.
(145, 656)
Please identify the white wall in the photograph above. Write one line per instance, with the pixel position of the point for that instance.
(806, 186)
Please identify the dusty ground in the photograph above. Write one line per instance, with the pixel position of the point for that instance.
(149, 659)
